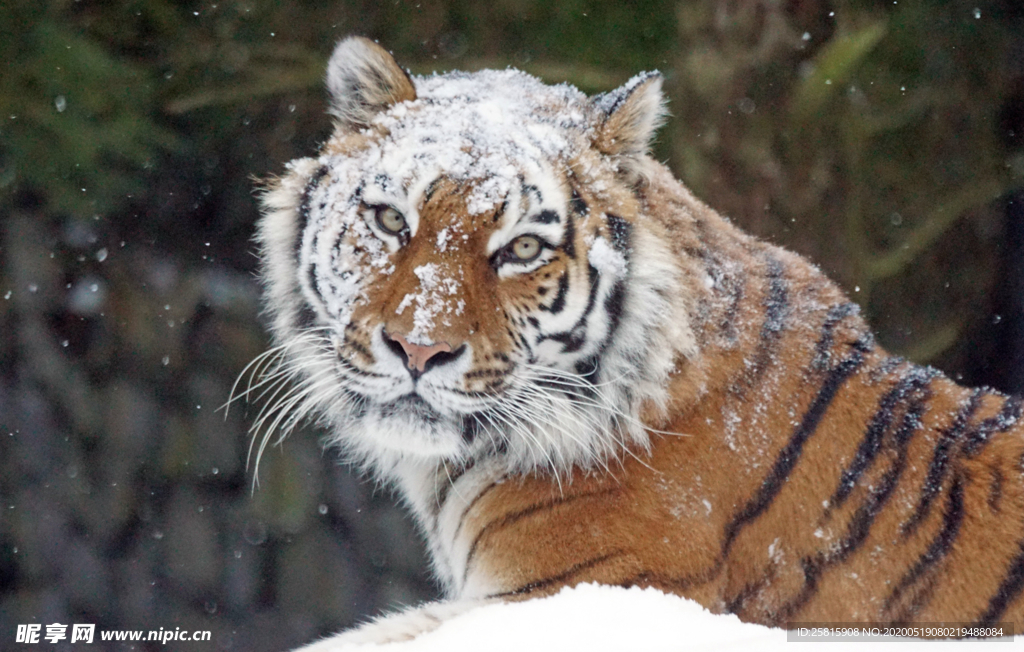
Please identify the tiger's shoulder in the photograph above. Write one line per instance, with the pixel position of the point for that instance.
(802, 472)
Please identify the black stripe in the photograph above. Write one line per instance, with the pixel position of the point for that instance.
(729, 281)
(568, 244)
(1012, 585)
(1007, 418)
(812, 572)
(304, 211)
(776, 303)
(995, 489)
(487, 392)
(776, 308)
(575, 569)
(530, 189)
(502, 207)
(483, 492)
(486, 373)
(735, 288)
(311, 272)
(823, 349)
(614, 305)
(621, 232)
(545, 217)
(577, 204)
(470, 429)
(860, 524)
(886, 367)
(431, 189)
(351, 368)
(451, 476)
(571, 341)
(939, 547)
(514, 517)
(588, 369)
(574, 339)
(714, 272)
(790, 453)
(357, 401)
(383, 181)
(864, 518)
(880, 423)
(737, 604)
(306, 317)
(357, 347)
(594, 277)
(939, 465)
(563, 288)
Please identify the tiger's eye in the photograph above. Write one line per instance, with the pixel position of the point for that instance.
(526, 248)
(390, 220)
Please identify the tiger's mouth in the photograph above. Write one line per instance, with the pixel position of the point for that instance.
(412, 406)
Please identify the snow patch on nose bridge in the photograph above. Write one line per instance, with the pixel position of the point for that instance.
(433, 301)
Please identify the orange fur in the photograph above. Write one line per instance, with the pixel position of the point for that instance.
(795, 471)
(647, 523)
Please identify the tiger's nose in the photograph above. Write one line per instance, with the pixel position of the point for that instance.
(418, 358)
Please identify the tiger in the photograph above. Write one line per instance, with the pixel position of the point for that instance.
(571, 370)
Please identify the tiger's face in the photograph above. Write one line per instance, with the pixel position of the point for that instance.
(456, 274)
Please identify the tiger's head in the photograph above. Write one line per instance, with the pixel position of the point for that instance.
(465, 269)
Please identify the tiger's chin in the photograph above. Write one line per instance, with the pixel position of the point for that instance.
(387, 435)
(407, 428)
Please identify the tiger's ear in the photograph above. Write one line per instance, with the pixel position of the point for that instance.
(364, 79)
(628, 116)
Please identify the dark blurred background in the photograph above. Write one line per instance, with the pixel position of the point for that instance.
(884, 140)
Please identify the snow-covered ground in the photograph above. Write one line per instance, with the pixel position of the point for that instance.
(602, 618)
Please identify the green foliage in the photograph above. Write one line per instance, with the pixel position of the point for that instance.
(832, 69)
(78, 122)
(862, 134)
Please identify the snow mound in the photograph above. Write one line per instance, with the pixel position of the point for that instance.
(613, 619)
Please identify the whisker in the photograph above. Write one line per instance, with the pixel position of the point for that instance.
(282, 408)
(544, 402)
(521, 411)
(608, 405)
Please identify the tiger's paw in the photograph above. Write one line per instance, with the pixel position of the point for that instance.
(397, 627)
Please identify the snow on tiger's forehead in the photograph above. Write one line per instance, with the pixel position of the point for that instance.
(491, 127)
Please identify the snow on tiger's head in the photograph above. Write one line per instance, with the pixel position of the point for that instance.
(460, 272)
